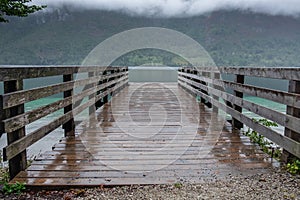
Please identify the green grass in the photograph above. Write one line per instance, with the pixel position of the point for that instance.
(178, 185)
(13, 188)
(4, 181)
(293, 167)
(266, 146)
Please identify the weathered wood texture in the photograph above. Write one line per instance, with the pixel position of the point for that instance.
(14, 72)
(288, 73)
(108, 80)
(294, 87)
(150, 133)
(18, 162)
(217, 87)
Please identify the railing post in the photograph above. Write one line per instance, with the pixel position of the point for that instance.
(126, 70)
(119, 77)
(19, 162)
(235, 123)
(92, 108)
(127, 79)
(203, 83)
(182, 70)
(69, 126)
(99, 102)
(195, 72)
(1, 116)
(111, 79)
(216, 76)
(203, 100)
(105, 98)
(294, 87)
(190, 71)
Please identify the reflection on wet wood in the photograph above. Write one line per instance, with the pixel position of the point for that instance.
(148, 134)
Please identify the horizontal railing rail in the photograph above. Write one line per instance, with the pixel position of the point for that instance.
(207, 83)
(96, 83)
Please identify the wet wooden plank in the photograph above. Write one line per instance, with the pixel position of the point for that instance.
(205, 171)
(147, 134)
(200, 176)
(135, 159)
(137, 144)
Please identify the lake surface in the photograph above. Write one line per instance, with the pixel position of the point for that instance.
(153, 74)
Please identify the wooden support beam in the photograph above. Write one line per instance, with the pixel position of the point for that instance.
(111, 79)
(294, 87)
(1, 116)
(203, 83)
(105, 98)
(92, 108)
(17, 163)
(216, 75)
(98, 103)
(69, 126)
(235, 123)
(203, 100)
(126, 70)
(195, 72)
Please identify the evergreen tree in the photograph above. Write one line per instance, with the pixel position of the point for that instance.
(20, 8)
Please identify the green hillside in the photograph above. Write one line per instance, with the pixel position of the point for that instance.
(231, 38)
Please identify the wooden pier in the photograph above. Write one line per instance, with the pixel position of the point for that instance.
(145, 133)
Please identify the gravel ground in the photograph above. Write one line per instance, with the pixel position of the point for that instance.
(276, 185)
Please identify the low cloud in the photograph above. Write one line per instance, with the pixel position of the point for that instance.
(180, 8)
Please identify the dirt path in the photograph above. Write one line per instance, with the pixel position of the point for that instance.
(276, 185)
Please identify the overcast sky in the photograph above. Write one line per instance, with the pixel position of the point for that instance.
(172, 8)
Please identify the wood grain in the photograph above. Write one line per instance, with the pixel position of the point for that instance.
(148, 133)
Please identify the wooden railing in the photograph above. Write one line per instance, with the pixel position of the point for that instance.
(207, 84)
(98, 83)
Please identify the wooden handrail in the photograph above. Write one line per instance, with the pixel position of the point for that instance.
(288, 73)
(100, 83)
(206, 83)
(13, 72)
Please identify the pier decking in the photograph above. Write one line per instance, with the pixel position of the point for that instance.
(145, 133)
(149, 133)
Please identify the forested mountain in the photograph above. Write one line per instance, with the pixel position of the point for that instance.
(231, 37)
